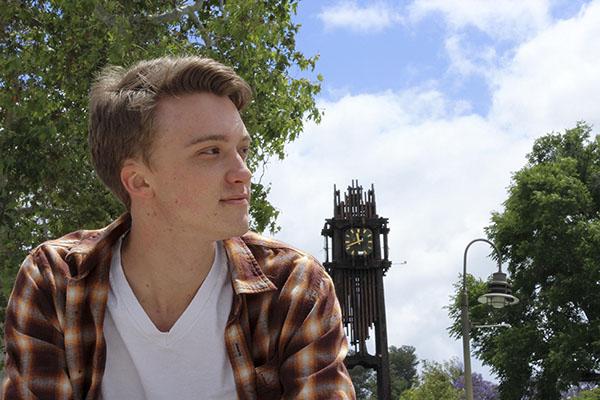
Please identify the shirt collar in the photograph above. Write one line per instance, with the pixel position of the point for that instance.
(95, 248)
(246, 274)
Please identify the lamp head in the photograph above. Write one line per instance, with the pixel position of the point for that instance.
(499, 292)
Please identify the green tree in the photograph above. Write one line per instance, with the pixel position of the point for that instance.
(365, 383)
(549, 233)
(403, 374)
(436, 382)
(403, 369)
(49, 53)
(593, 394)
(582, 391)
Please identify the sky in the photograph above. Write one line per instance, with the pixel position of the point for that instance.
(436, 103)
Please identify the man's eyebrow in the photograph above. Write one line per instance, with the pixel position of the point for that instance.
(215, 138)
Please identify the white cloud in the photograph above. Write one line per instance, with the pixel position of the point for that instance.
(553, 79)
(501, 19)
(348, 14)
(437, 177)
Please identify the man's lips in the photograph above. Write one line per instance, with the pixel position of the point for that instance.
(239, 199)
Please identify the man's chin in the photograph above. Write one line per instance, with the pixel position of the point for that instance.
(239, 230)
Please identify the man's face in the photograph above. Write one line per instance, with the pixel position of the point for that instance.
(199, 176)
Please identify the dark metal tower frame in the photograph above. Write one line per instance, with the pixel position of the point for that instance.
(359, 280)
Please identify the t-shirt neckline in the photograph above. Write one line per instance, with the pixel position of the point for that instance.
(193, 313)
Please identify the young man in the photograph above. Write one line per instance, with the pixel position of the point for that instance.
(175, 299)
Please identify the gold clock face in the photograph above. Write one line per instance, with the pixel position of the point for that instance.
(358, 241)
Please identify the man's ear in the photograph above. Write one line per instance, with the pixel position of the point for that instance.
(134, 178)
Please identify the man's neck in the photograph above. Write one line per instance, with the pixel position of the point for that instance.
(165, 268)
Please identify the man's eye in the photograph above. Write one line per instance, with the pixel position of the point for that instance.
(211, 151)
(245, 151)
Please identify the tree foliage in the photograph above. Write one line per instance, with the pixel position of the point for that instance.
(482, 389)
(403, 369)
(583, 391)
(445, 381)
(403, 374)
(49, 54)
(549, 233)
(365, 382)
(436, 382)
(592, 394)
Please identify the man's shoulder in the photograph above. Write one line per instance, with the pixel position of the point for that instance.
(276, 249)
(282, 262)
(66, 255)
(255, 239)
(53, 253)
(68, 242)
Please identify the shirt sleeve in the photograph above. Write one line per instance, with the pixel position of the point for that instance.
(313, 366)
(35, 366)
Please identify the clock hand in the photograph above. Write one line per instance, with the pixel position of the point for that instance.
(353, 243)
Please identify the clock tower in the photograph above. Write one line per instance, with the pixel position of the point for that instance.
(356, 247)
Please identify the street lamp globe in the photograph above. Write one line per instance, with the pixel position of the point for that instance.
(499, 292)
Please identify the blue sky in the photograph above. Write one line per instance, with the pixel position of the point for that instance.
(394, 58)
(406, 53)
(361, 61)
(436, 102)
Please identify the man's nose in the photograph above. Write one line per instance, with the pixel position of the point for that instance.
(239, 171)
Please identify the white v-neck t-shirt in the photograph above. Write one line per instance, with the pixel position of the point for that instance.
(188, 362)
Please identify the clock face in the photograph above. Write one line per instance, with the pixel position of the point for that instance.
(358, 241)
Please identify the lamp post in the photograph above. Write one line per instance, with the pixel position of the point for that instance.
(499, 295)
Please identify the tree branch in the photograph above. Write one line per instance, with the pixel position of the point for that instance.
(192, 12)
(167, 17)
(178, 12)
(208, 42)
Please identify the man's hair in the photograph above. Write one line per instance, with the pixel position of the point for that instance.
(122, 103)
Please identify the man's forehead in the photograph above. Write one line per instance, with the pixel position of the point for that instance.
(215, 137)
(202, 102)
(196, 115)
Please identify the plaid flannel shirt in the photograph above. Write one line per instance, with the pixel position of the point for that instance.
(284, 335)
